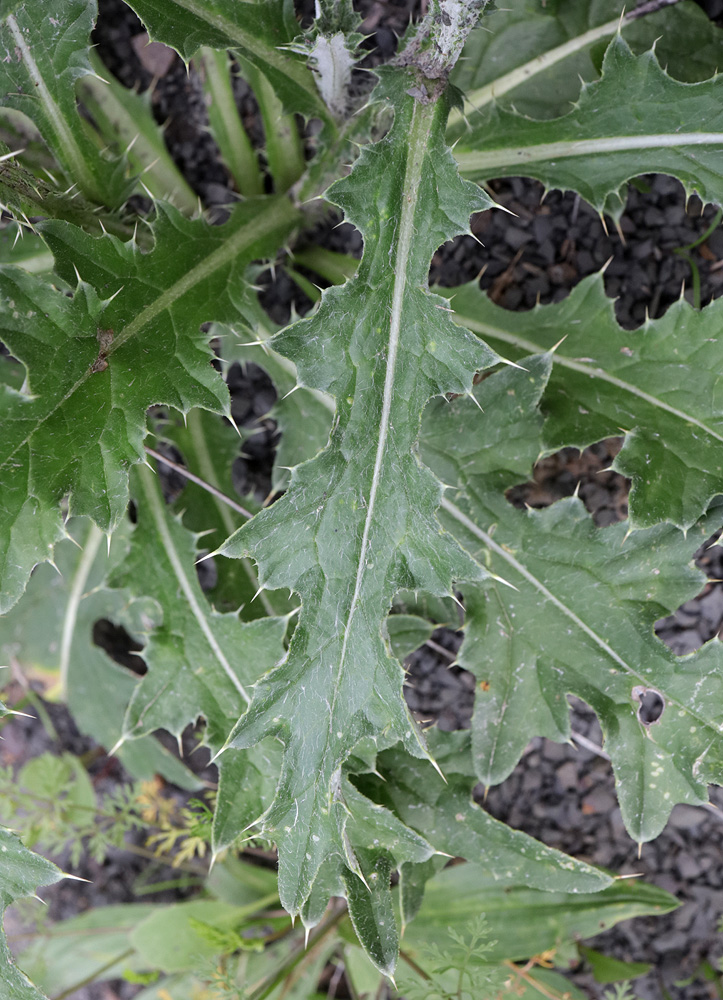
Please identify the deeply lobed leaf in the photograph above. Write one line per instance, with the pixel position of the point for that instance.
(634, 120)
(256, 30)
(43, 52)
(21, 872)
(49, 636)
(534, 56)
(578, 619)
(658, 385)
(94, 364)
(207, 659)
(358, 522)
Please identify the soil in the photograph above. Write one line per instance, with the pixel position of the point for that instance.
(561, 794)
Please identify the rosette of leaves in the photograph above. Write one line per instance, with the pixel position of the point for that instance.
(360, 520)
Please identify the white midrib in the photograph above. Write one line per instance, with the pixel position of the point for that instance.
(578, 366)
(77, 589)
(155, 504)
(473, 162)
(245, 236)
(208, 472)
(76, 164)
(419, 130)
(477, 99)
(507, 556)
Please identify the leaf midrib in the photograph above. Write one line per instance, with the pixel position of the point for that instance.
(208, 471)
(155, 505)
(276, 215)
(474, 161)
(77, 588)
(510, 559)
(525, 72)
(422, 119)
(76, 162)
(577, 366)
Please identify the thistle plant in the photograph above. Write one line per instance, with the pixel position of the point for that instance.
(395, 457)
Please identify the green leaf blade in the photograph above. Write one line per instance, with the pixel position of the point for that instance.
(21, 872)
(93, 365)
(257, 30)
(658, 385)
(535, 58)
(207, 659)
(580, 620)
(366, 493)
(635, 119)
(524, 921)
(458, 827)
(45, 53)
(49, 634)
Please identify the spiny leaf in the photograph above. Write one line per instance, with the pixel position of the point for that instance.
(21, 872)
(43, 52)
(49, 635)
(658, 385)
(94, 365)
(20, 246)
(27, 195)
(256, 30)
(535, 56)
(358, 521)
(303, 416)
(579, 620)
(199, 662)
(209, 445)
(125, 120)
(372, 912)
(206, 660)
(444, 810)
(634, 120)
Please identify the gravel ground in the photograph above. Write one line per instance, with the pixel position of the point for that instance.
(562, 794)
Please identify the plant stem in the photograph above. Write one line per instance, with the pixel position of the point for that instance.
(477, 99)
(210, 481)
(268, 985)
(284, 150)
(650, 7)
(522, 973)
(187, 474)
(413, 965)
(235, 146)
(47, 722)
(94, 975)
(683, 252)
